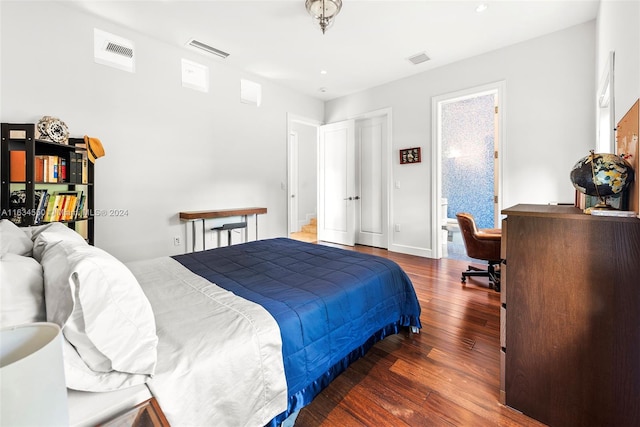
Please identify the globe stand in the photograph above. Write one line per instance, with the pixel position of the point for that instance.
(603, 204)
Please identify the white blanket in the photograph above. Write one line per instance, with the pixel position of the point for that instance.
(219, 355)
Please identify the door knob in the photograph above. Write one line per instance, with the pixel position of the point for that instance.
(348, 198)
(357, 198)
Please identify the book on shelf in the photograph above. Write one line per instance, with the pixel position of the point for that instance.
(18, 168)
(84, 168)
(613, 212)
(73, 165)
(41, 201)
(38, 165)
(64, 206)
(54, 169)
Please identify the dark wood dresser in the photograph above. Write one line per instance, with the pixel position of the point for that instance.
(570, 321)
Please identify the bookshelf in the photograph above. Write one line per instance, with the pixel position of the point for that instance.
(44, 182)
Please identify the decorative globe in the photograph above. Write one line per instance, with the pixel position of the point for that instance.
(602, 175)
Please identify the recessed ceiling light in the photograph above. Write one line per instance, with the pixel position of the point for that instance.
(323, 71)
(481, 7)
(323, 89)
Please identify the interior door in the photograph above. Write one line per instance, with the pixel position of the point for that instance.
(371, 182)
(336, 183)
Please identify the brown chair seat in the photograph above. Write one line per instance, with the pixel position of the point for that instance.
(482, 244)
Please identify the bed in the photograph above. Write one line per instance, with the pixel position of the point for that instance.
(242, 335)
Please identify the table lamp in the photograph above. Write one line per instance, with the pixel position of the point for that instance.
(32, 384)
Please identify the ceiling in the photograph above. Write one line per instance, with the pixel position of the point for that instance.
(368, 45)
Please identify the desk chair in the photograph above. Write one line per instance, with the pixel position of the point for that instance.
(483, 244)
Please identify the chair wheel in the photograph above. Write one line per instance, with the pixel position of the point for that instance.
(463, 279)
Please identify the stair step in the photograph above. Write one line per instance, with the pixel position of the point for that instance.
(305, 237)
(309, 228)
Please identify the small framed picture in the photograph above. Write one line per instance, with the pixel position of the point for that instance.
(410, 155)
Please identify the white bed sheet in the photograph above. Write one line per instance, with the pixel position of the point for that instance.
(219, 355)
(87, 409)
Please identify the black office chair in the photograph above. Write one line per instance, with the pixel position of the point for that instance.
(483, 244)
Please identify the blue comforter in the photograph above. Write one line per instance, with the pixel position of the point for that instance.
(331, 304)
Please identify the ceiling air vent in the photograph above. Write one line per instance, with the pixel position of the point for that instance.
(210, 49)
(114, 51)
(119, 49)
(419, 58)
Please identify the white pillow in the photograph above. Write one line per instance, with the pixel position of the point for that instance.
(21, 289)
(13, 239)
(46, 235)
(100, 307)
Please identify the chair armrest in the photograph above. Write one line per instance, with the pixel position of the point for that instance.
(489, 234)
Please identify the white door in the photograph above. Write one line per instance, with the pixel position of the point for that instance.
(293, 182)
(371, 182)
(336, 183)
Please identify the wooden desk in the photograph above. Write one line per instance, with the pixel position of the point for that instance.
(194, 216)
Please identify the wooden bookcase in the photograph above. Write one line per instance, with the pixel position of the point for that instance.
(21, 174)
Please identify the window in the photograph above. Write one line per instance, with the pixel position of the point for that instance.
(250, 92)
(195, 76)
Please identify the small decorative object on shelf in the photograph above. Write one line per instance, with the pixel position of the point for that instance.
(602, 176)
(410, 155)
(52, 129)
(94, 148)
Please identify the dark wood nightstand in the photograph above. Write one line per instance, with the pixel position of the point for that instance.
(146, 414)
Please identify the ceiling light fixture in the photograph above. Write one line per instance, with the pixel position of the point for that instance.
(481, 7)
(323, 11)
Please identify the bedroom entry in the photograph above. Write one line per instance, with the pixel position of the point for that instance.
(467, 129)
(302, 176)
(353, 170)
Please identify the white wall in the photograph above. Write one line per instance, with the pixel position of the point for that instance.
(618, 26)
(168, 149)
(550, 123)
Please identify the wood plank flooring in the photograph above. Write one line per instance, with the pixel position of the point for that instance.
(447, 375)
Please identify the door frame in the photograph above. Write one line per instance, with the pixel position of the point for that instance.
(292, 181)
(436, 155)
(291, 119)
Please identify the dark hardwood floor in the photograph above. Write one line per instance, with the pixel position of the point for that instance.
(447, 375)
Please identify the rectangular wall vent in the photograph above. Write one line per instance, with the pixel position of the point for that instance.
(119, 49)
(210, 49)
(114, 51)
(419, 58)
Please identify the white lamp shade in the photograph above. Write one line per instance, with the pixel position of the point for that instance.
(32, 385)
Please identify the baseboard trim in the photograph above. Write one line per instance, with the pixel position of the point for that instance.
(411, 250)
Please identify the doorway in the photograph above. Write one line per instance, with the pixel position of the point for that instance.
(468, 127)
(302, 196)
